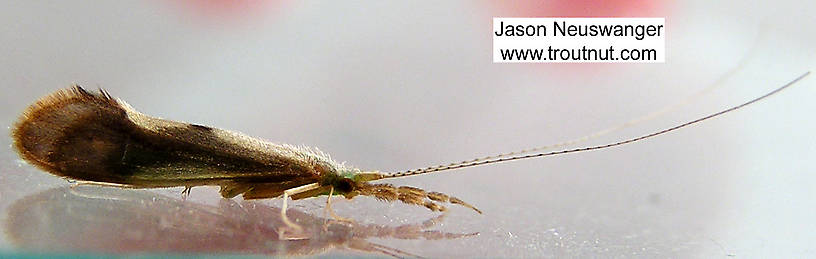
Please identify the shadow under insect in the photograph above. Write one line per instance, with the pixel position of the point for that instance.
(110, 220)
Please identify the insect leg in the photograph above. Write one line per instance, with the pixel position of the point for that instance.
(286, 194)
(330, 211)
(186, 192)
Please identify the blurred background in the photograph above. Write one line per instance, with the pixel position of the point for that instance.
(399, 85)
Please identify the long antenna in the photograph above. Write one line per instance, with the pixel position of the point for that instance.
(629, 123)
(719, 82)
(567, 151)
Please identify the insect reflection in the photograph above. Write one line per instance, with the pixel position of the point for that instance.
(110, 220)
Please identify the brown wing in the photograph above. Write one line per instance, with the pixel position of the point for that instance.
(93, 137)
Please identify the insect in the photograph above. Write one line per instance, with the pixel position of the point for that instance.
(95, 138)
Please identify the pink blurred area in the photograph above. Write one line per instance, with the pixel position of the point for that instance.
(226, 10)
(582, 8)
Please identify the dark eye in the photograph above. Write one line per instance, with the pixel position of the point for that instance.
(344, 186)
